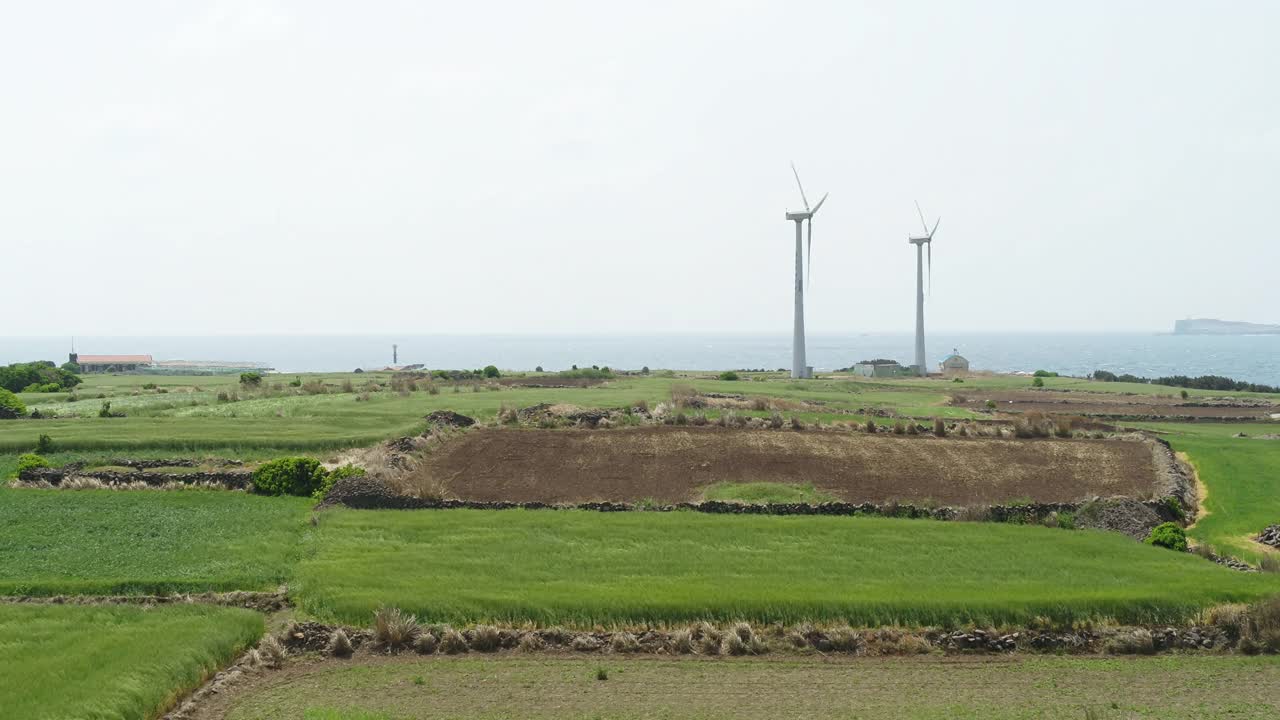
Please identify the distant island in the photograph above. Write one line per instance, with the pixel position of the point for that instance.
(1206, 326)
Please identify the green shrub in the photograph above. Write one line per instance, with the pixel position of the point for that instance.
(1185, 394)
(1037, 382)
(491, 371)
(148, 386)
(300, 476)
(991, 404)
(105, 410)
(728, 375)
(1168, 535)
(42, 388)
(11, 406)
(296, 382)
(30, 461)
(1045, 374)
(250, 379)
(333, 476)
(44, 445)
(1174, 507)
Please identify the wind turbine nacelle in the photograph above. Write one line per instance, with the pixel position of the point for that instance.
(918, 240)
(799, 216)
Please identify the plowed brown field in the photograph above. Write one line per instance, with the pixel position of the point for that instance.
(671, 464)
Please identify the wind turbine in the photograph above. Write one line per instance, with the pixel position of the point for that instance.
(920, 242)
(798, 367)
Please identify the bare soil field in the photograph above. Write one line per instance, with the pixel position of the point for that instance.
(925, 687)
(671, 464)
(1118, 405)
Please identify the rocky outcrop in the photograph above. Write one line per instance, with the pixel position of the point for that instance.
(1270, 536)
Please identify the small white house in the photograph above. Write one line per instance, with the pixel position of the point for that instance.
(954, 364)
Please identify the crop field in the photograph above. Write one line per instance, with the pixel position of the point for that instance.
(586, 568)
(1242, 476)
(672, 464)
(567, 688)
(338, 411)
(112, 661)
(108, 542)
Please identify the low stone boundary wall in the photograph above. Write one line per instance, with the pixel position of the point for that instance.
(231, 479)
(261, 601)
(366, 493)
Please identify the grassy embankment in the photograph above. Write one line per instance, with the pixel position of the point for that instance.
(568, 688)
(106, 542)
(587, 568)
(112, 661)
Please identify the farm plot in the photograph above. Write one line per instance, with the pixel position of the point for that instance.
(117, 542)
(111, 662)
(1120, 405)
(582, 568)
(674, 464)
(567, 687)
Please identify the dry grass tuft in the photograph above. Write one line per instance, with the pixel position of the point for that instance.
(624, 642)
(271, 652)
(845, 639)
(339, 644)
(681, 642)
(485, 638)
(531, 642)
(426, 643)
(1261, 631)
(394, 629)
(1131, 642)
(556, 635)
(452, 642)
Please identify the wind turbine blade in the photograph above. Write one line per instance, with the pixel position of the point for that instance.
(809, 254)
(802, 197)
(814, 211)
(922, 222)
(935, 227)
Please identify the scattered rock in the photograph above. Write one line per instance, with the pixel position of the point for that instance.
(1270, 536)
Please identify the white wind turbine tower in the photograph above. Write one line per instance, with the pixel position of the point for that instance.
(922, 367)
(798, 367)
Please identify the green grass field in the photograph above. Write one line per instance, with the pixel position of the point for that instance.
(1243, 479)
(105, 542)
(112, 662)
(585, 568)
(1191, 687)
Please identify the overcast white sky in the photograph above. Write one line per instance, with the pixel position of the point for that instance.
(261, 167)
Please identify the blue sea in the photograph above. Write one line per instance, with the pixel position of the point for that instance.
(1255, 358)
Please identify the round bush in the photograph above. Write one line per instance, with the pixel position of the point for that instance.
(1168, 535)
(10, 406)
(300, 476)
(728, 375)
(30, 461)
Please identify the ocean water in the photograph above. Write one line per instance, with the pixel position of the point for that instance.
(1255, 358)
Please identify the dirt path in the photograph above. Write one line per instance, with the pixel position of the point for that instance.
(670, 464)
(1202, 490)
(935, 687)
